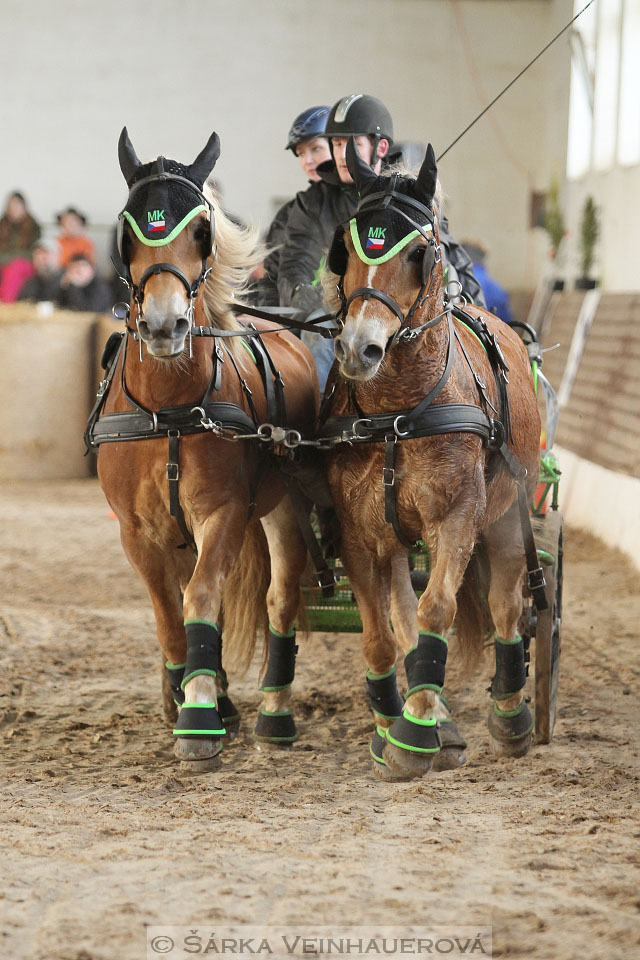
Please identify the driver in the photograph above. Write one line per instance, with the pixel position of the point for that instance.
(316, 212)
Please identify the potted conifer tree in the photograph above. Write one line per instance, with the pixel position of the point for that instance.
(589, 233)
(554, 225)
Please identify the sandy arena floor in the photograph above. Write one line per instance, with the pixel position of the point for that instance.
(101, 834)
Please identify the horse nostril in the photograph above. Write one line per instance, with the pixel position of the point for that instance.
(373, 353)
(339, 350)
(143, 328)
(182, 326)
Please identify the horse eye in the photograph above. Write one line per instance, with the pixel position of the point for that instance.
(417, 254)
(201, 233)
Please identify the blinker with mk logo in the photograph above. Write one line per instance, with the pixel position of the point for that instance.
(378, 235)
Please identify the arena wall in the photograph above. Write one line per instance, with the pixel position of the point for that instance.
(599, 428)
(77, 71)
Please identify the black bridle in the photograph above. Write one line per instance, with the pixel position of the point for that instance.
(391, 199)
(137, 289)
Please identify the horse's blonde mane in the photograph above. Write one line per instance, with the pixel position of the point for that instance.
(238, 251)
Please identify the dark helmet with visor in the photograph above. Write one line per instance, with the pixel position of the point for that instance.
(360, 115)
(309, 124)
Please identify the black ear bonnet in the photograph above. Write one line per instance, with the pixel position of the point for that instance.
(391, 213)
(164, 196)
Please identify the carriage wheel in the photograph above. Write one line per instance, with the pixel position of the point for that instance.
(549, 537)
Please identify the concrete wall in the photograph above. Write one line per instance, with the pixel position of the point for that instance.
(75, 71)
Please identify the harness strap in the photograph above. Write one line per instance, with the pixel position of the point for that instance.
(325, 575)
(535, 574)
(173, 477)
(389, 481)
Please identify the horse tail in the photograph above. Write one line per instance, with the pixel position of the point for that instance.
(474, 623)
(244, 607)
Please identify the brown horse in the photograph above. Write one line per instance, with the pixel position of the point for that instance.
(198, 507)
(420, 382)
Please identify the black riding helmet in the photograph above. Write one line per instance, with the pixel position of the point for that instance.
(309, 124)
(360, 115)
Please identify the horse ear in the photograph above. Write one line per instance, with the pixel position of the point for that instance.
(206, 160)
(361, 172)
(428, 177)
(129, 163)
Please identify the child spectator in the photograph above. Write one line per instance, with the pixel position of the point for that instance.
(18, 234)
(72, 238)
(81, 289)
(44, 285)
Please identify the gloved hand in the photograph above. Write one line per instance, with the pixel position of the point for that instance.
(307, 298)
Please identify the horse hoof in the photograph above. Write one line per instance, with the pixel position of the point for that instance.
(511, 731)
(196, 768)
(406, 763)
(268, 746)
(196, 749)
(449, 758)
(233, 729)
(452, 748)
(516, 748)
(382, 771)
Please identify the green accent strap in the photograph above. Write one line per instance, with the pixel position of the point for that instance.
(534, 371)
(508, 643)
(380, 676)
(249, 350)
(174, 233)
(274, 713)
(405, 746)
(422, 686)
(430, 633)
(390, 253)
(215, 733)
(197, 673)
(274, 689)
(430, 722)
(198, 620)
(472, 332)
(381, 731)
(200, 706)
(174, 666)
(547, 558)
(509, 713)
(276, 633)
(379, 760)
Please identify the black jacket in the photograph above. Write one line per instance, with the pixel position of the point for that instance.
(267, 286)
(310, 228)
(94, 298)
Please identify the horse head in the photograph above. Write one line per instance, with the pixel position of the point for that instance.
(166, 242)
(388, 261)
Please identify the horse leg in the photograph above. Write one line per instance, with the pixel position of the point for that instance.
(371, 580)
(404, 609)
(414, 741)
(510, 720)
(199, 728)
(287, 551)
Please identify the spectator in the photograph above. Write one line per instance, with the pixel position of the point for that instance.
(82, 289)
(44, 285)
(18, 234)
(72, 238)
(497, 299)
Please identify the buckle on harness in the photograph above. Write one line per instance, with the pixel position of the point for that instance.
(173, 471)
(388, 476)
(496, 437)
(536, 580)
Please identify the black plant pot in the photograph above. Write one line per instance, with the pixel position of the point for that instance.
(585, 283)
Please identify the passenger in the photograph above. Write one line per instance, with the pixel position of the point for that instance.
(82, 289)
(73, 239)
(44, 285)
(18, 234)
(317, 211)
(307, 141)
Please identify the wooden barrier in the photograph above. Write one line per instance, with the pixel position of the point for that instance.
(46, 381)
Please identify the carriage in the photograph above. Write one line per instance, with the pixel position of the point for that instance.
(200, 437)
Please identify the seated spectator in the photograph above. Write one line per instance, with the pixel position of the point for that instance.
(44, 285)
(497, 299)
(18, 234)
(72, 238)
(82, 289)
